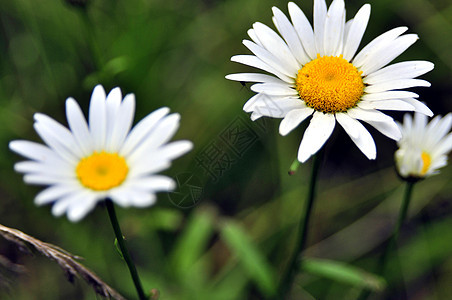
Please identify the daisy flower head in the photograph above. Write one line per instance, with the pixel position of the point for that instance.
(424, 147)
(102, 158)
(316, 71)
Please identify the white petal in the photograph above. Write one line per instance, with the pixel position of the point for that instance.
(164, 131)
(388, 128)
(442, 128)
(368, 115)
(78, 210)
(376, 43)
(158, 160)
(60, 132)
(61, 206)
(253, 61)
(420, 122)
(320, 12)
(34, 151)
(365, 143)
(161, 134)
(254, 38)
(359, 135)
(98, 117)
(81, 203)
(63, 169)
(113, 103)
(419, 106)
(131, 196)
(278, 108)
(175, 149)
(45, 179)
(142, 199)
(293, 118)
(78, 126)
(387, 105)
(356, 32)
(255, 115)
(55, 142)
(317, 133)
(347, 28)
(273, 103)
(55, 192)
(274, 89)
(290, 36)
(408, 120)
(271, 59)
(334, 27)
(395, 85)
(149, 165)
(389, 95)
(402, 70)
(276, 46)
(120, 195)
(340, 47)
(254, 77)
(440, 162)
(445, 146)
(253, 102)
(348, 124)
(303, 29)
(407, 124)
(155, 183)
(385, 54)
(142, 129)
(123, 123)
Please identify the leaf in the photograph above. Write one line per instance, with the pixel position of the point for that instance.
(117, 65)
(118, 249)
(426, 250)
(249, 256)
(191, 244)
(343, 272)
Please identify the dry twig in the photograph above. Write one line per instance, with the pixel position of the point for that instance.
(67, 261)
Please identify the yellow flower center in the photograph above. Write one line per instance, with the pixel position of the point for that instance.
(102, 171)
(329, 84)
(426, 162)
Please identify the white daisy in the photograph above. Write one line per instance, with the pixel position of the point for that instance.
(316, 73)
(102, 159)
(423, 147)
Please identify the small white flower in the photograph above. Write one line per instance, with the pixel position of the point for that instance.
(423, 147)
(316, 72)
(103, 158)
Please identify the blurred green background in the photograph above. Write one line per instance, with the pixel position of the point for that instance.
(231, 236)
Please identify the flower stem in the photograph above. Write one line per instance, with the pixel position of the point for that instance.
(391, 243)
(294, 167)
(403, 211)
(295, 262)
(89, 33)
(124, 251)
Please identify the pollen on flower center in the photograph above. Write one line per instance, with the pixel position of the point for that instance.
(426, 162)
(329, 84)
(102, 171)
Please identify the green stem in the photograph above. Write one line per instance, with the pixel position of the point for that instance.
(403, 210)
(393, 239)
(89, 33)
(294, 262)
(294, 167)
(124, 250)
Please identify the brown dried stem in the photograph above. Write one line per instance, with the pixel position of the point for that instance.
(67, 261)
